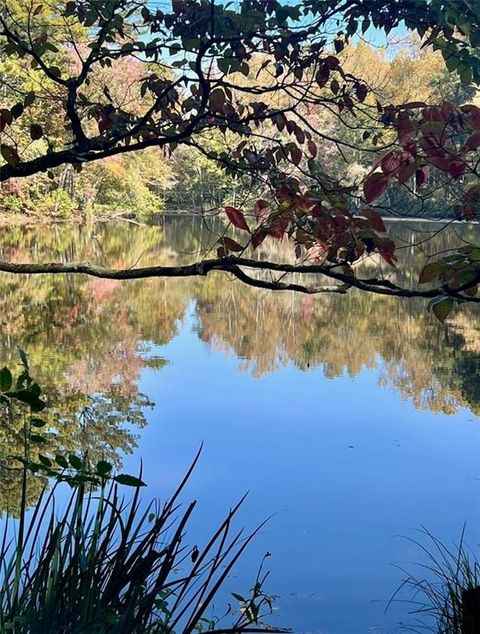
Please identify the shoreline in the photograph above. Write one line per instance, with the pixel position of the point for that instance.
(23, 220)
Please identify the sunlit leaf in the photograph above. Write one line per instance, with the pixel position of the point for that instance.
(237, 218)
(374, 186)
(441, 307)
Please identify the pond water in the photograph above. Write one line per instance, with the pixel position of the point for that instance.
(352, 421)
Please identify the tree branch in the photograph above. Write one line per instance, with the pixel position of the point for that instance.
(232, 265)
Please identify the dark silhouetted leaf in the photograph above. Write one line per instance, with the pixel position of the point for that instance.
(75, 461)
(10, 154)
(36, 132)
(5, 379)
(104, 467)
(129, 480)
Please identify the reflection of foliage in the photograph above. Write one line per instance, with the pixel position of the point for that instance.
(348, 333)
(76, 423)
(87, 336)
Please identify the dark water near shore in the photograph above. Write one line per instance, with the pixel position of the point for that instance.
(351, 420)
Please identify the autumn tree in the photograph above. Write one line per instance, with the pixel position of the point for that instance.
(260, 74)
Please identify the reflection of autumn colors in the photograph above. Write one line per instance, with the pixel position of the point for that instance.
(437, 369)
(88, 338)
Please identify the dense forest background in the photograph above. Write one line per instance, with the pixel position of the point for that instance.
(150, 181)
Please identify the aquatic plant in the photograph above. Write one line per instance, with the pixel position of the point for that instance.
(445, 597)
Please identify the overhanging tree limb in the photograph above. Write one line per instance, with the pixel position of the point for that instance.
(235, 267)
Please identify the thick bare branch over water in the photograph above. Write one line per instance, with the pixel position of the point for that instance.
(236, 266)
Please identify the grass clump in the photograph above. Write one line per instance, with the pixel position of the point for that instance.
(109, 565)
(446, 594)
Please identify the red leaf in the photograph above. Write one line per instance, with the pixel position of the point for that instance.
(340, 224)
(405, 129)
(406, 171)
(380, 158)
(472, 143)
(473, 113)
(361, 91)
(391, 163)
(300, 135)
(278, 228)
(322, 76)
(456, 168)
(260, 209)
(296, 154)
(387, 251)
(312, 148)
(376, 220)
(104, 124)
(230, 245)
(332, 62)
(237, 218)
(374, 186)
(258, 236)
(421, 175)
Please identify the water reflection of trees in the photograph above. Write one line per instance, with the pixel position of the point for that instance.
(88, 338)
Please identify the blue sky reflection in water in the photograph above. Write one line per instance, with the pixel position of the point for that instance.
(324, 409)
(344, 466)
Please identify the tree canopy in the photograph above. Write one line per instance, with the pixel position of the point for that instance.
(266, 91)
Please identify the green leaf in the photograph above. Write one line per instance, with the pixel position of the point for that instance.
(37, 405)
(37, 422)
(441, 307)
(129, 480)
(29, 99)
(474, 255)
(229, 65)
(431, 271)
(466, 75)
(35, 389)
(5, 379)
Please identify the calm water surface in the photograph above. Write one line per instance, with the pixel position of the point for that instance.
(351, 420)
